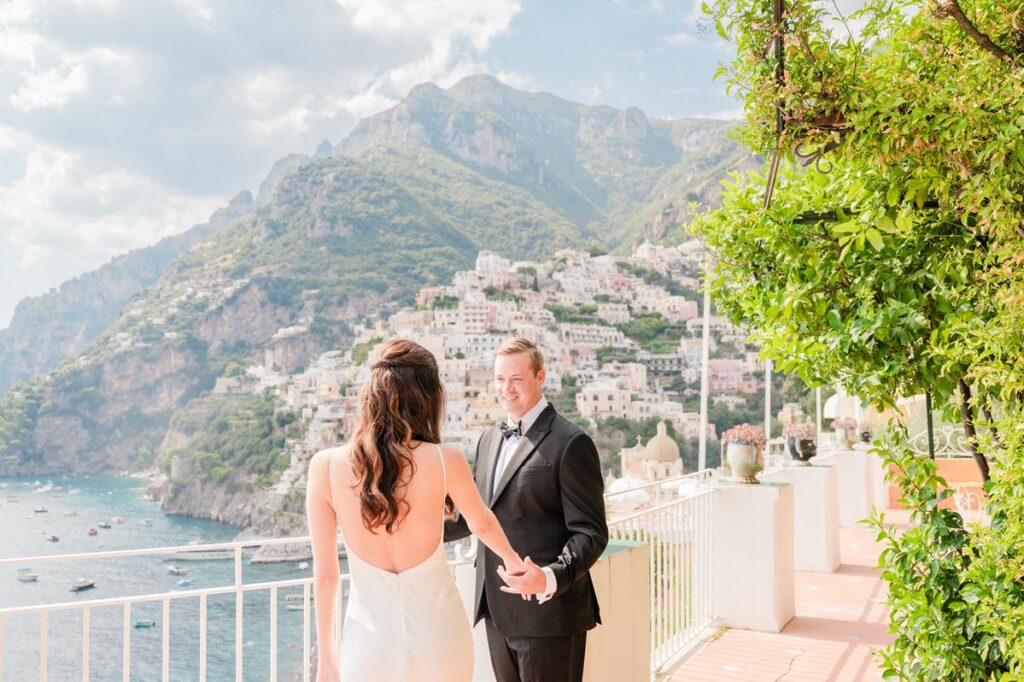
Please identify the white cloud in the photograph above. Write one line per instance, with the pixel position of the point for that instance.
(478, 21)
(515, 79)
(54, 87)
(590, 93)
(446, 27)
(51, 88)
(681, 38)
(266, 90)
(63, 204)
(200, 10)
(734, 114)
(367, 100)
(8, 139)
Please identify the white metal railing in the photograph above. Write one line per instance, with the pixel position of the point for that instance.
(675, 518)
(949, 442)
(239, 589)
(679, 533)
(655, 493)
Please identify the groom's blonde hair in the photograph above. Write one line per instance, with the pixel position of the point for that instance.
(521, 344)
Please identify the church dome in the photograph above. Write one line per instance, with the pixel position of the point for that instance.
(661, 448)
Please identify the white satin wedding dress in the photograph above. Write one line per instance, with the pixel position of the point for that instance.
(406, 626)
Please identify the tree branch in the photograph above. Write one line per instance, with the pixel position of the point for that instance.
(991, 425)
(967, 411)
(952, 8)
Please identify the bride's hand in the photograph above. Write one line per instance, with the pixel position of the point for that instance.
(515, 566)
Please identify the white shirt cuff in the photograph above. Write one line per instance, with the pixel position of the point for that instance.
(550, 585)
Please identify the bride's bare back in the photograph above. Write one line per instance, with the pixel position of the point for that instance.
(419, 531)
(333, 500)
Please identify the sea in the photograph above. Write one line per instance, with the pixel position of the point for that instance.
(73, 505)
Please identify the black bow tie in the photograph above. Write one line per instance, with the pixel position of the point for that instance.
(509, 431)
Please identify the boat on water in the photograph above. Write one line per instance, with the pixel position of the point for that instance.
(40, 510)
(71, 513)
(82, 584)
(146, 522)
(185, 582)
(50, 537)
(93, 531)
(294, 607)
(144, 624)
(118, 520)
(104, 524)
(27, 575)
(177, 570)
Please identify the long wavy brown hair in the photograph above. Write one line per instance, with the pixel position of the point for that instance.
(402, 401)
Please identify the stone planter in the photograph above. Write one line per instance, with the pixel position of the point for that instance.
(743, 462)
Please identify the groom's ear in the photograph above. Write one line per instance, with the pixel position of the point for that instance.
(541, 375)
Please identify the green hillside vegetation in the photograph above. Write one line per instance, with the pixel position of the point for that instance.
(232, 435)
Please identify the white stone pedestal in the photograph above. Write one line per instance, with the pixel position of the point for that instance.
(856, 489)
(753, 556)
(876, 474)
(815, 517)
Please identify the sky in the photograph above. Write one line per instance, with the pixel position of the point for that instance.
(123, 121)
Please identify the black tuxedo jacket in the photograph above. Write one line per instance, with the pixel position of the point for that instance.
(550, 502)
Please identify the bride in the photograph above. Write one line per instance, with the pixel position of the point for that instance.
(390, 488)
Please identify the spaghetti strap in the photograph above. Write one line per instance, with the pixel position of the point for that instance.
(330, 478)
(444, 482)
(444, 471)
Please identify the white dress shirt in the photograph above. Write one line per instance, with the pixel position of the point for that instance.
(507, 448)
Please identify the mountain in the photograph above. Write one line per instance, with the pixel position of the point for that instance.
(49, 328)
(408, 198)
(612, 172)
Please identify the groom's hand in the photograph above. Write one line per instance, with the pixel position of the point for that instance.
(531, 581)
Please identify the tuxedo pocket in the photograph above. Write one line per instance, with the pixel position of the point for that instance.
(539, 468)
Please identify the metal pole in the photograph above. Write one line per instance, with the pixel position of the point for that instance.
(931, 427)
(705, 353)
(768, 399)
(817, 410)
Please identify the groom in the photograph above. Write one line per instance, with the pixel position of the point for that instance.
(541, 476)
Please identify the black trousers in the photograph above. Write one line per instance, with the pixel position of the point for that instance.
(536, 659)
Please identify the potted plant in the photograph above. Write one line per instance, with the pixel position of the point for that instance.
(800, 440)
(846, 430)
(864, 431)
(743, 451)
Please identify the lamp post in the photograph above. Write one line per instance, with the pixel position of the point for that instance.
(705, 352)
(768, 405)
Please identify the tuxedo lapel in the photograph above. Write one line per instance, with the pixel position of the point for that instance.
(527, 445)
(490, 448)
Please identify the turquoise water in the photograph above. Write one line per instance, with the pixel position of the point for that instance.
(22, 534)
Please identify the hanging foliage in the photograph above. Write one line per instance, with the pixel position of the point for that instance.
(895, 265)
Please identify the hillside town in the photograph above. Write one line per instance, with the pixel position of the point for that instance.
(580, 308)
